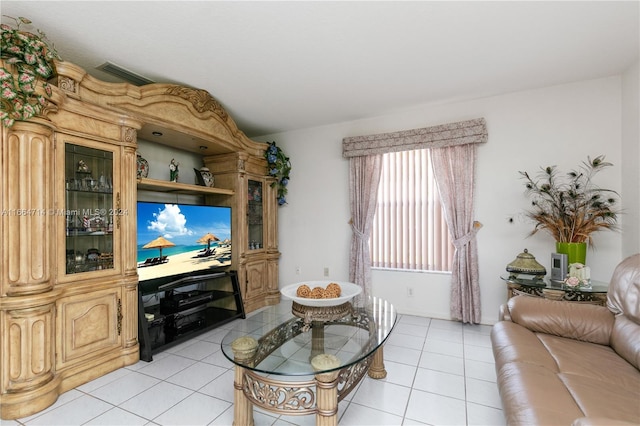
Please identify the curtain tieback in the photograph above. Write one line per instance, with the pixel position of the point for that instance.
(359, 235)
(466, 239)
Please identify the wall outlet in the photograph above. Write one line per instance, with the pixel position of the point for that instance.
(326, 271)
(409, 291)
(298, 270)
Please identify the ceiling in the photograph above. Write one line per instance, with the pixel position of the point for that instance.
(278, 66)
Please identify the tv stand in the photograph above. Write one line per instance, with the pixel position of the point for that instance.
(181, 307)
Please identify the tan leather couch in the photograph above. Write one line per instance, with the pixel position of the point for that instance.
(561, 363)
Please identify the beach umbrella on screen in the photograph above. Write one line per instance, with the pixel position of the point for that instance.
(208, 237)
(159, 243)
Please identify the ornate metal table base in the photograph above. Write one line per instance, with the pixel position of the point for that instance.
(319, 396)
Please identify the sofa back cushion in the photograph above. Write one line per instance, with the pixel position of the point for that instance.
(624, 289)
(588, 323)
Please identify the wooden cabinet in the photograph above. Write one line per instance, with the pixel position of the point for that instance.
(255, 249)
(68, 192)
(88, 325)
(68, 300)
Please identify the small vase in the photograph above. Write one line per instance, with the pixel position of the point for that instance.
(576, 252)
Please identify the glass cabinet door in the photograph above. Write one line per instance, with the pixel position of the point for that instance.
(255, 215)
(89, 214)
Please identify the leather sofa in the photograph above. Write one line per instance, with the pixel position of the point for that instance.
(562, 363)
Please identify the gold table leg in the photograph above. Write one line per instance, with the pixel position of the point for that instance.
(326, 390)
(244, 348)
(377, 370)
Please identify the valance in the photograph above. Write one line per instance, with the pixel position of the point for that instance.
(458, 133)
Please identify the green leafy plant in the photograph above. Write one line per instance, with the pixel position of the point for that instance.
(278, 166)
(571, 208)
(28, 62)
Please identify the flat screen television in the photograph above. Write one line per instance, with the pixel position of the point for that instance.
(176, 240)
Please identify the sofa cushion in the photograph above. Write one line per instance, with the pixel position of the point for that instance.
(625, 340)
(623, 296)
(514, 343)
(590, 323)
(534, 395)
(597, 398)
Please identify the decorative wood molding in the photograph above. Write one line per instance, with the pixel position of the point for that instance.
(201, 100)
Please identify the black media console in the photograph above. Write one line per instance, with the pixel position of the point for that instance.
(173, 310)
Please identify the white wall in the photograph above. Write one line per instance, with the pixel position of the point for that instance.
(631, 160)
(558, 125)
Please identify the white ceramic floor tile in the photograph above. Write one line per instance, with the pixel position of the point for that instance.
(405, 341)
(196, 409)
(359, 415)
(62, 400)
(432, 366)
(445, 384)
(399, 374)
(124, 388)
(444, 347)
(440, 362)
(445, 334)
(483, 393)
(197, 375)
(477, 339)
(220, 387)
(383, 396)
(477, 328)
(445, 324)
(410, 329)
(480, 415)
(117, 417)
(480, 370)
(166, 367)
(76, 412)
(218, 358)
(436, 409)
(478, 353)
(101, 381)
(401, 355)
(156, 400)
(414, 320)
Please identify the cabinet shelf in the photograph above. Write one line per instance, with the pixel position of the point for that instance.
(181, 188)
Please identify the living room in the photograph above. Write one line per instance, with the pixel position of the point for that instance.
(529, 127)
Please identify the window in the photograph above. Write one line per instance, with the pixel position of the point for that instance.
(409, 227)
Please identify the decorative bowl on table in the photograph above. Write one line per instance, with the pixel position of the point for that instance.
(348, 292)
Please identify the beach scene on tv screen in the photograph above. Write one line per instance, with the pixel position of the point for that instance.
(178, 238)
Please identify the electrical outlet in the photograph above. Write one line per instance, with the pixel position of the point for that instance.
(409, 291)
(298, 270)
(326, 271)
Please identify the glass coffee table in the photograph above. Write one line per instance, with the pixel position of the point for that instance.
(287, 362)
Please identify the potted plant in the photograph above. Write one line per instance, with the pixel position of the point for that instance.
(278, 166)
(571, 207)
(27, 63)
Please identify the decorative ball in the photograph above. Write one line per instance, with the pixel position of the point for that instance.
(333, 290)
(303, 291)
(317, 293)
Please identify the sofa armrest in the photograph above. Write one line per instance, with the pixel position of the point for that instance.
(586, 322)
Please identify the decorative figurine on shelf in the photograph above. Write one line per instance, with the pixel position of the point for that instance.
(173, 170)
(82, 167)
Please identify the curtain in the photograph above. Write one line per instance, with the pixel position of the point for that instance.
(364, 176)
(454, 168)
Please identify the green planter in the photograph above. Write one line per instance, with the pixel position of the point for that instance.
(576, 252)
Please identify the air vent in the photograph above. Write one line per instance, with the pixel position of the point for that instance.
(124, 74)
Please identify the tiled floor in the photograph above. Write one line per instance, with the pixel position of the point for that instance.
(439, 373)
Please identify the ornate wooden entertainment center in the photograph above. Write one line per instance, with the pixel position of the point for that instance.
(68, 278)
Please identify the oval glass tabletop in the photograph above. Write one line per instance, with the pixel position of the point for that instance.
(282, 341)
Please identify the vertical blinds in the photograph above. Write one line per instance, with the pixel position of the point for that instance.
(409, 229)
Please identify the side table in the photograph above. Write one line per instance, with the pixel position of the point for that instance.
(596, 294)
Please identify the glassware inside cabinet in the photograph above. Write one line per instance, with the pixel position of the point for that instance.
(255, 215)
(89, 209)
